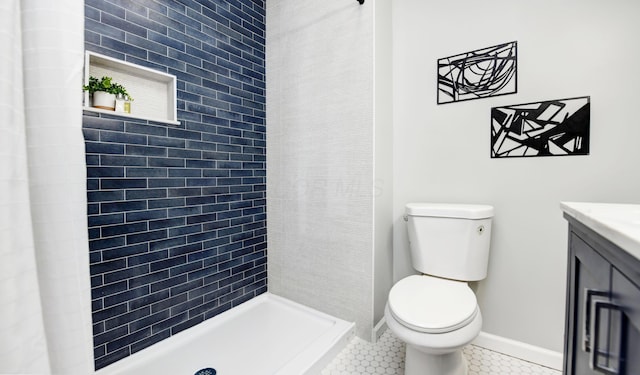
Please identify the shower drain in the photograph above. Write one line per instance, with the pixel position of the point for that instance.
(206, 371)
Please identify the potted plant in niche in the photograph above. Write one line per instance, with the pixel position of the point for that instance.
(104, 92)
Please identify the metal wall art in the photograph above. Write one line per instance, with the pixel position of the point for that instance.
(482, 73)
(548, 128)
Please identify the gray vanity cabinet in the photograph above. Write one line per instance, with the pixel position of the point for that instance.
(602, 332)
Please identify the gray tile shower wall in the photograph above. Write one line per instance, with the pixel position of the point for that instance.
(177, 214)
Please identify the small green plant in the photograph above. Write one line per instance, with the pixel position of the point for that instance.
(105, 84)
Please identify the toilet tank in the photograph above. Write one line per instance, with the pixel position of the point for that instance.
(450, 240)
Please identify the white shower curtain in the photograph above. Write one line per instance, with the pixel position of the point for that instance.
(45, 312)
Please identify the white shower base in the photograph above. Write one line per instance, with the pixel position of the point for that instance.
(268, 335)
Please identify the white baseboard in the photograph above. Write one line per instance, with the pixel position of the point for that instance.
(521, 350)
(378, 330)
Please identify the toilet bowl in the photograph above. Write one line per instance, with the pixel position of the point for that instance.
(436, 318)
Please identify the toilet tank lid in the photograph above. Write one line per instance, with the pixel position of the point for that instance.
(462, 211)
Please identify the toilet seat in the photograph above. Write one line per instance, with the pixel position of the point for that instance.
(432, 305)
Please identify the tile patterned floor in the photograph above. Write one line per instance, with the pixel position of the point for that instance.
(387, 357)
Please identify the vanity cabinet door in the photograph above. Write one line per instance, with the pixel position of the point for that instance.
(626, 294)
(590, 282)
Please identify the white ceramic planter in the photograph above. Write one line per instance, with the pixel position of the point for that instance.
(104, 100)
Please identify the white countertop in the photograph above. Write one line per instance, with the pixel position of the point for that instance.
(619, 223)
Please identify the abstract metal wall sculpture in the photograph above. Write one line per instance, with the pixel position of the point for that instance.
(549, 128)
(482, 73)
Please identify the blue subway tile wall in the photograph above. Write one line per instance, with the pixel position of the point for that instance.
(177, 214)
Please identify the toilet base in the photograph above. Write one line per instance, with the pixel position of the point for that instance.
(420, 363)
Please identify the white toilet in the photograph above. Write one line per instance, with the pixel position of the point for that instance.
(436, 313)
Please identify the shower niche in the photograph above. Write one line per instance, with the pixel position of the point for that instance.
(153, 91)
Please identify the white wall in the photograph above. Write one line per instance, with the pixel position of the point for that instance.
(441, 153)
(320, 156)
